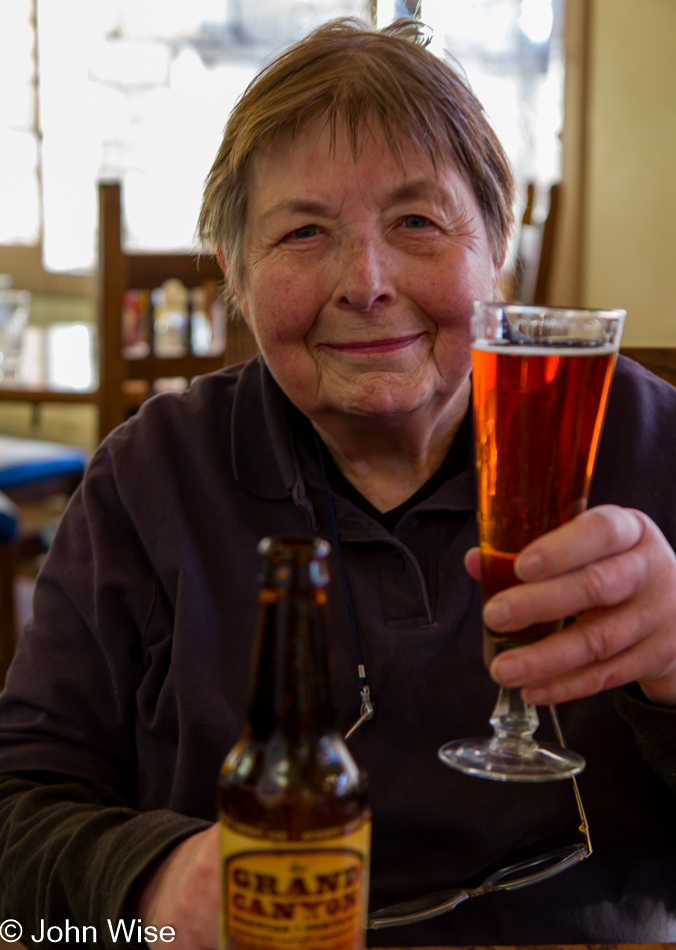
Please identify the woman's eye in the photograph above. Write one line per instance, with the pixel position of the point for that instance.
(307, 231)
(415, 221)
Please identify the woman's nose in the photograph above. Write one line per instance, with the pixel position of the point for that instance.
(366, 283)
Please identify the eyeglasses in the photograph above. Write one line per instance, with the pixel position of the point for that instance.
(509, 878)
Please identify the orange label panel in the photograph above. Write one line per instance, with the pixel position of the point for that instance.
(293, 896)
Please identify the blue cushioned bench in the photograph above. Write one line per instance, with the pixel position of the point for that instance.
(30, 470)
(23, 461)
(9, 518)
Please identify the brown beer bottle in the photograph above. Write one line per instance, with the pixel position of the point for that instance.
(295, 826)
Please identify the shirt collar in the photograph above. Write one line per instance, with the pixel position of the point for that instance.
(263, 455)
(265, 459)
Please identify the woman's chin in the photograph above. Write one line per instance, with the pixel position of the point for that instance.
(380, 398)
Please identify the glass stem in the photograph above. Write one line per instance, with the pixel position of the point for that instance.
(514, 723)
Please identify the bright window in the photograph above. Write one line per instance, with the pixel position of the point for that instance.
(19, 202)
(139, 90)
(512, 53)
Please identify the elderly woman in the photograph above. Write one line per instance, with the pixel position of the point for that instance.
(359, 204)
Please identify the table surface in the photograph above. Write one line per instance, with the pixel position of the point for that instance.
(28, 393)
(553, 946)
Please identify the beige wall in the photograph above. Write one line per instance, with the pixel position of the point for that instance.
(629, 237)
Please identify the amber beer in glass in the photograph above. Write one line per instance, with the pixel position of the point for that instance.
(540, 383)
(295, 824)
(537, 418)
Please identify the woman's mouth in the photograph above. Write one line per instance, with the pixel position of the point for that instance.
(381, 345)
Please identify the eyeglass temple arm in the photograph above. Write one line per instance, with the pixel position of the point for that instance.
(584, 824)
(412, 912)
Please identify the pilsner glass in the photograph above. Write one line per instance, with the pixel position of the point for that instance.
(540, 383)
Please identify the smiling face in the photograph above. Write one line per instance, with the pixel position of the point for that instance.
(359, 276)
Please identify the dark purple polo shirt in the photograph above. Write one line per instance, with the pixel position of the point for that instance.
(135, 671)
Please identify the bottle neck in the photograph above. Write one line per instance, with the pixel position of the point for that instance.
(291, 693)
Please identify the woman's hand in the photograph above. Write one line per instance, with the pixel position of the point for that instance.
(183, 893)
(614, 571)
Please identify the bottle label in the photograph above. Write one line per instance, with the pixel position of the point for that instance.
(307, 894)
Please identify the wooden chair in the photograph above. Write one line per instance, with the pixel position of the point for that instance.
(36, 479)
(535, 250)
(660, 360)
(129, 372)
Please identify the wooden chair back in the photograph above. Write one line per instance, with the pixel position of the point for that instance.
(660, 360)
(128, 374)
(536, 247)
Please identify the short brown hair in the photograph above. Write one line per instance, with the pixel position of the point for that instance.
(348, 72)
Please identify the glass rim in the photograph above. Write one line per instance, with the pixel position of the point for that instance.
(537, 310)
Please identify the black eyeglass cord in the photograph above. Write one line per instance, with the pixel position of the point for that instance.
(367, 708)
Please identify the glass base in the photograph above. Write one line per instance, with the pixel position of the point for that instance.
(496, 760)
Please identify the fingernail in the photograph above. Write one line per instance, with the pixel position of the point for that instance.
(497, 613)
(507, 669)
(529, 566)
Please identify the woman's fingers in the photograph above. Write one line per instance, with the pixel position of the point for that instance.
(612, 569)
(652, 664)
(596, 534)
(604, 583)
(473, 563)
(603, 650)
